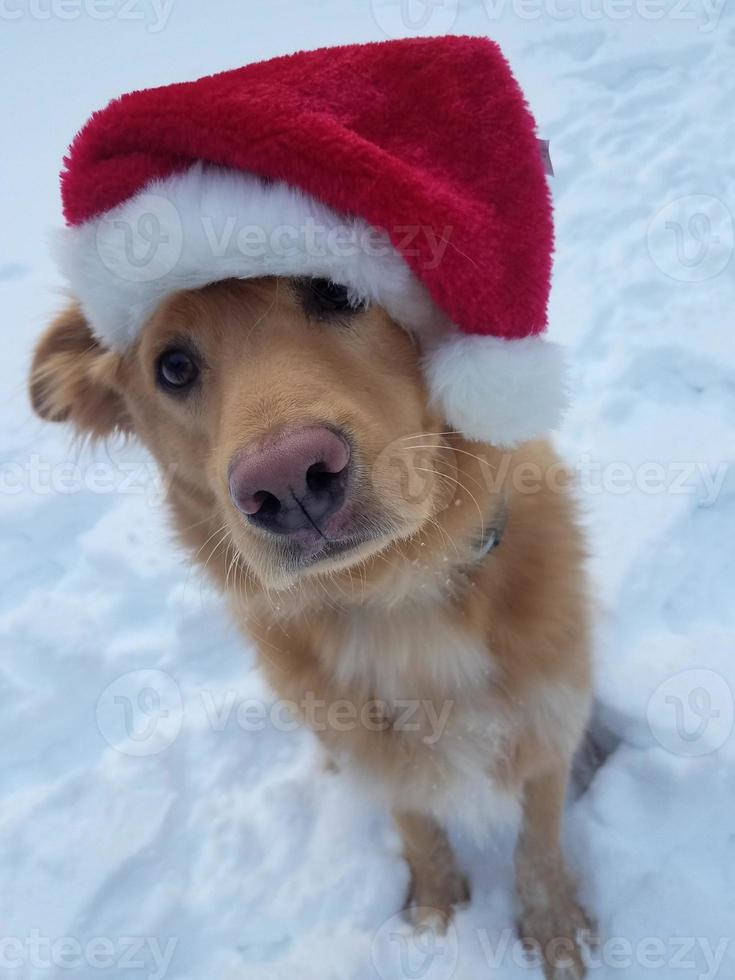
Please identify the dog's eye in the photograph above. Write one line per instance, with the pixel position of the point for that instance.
(176, 369)
(323, 298)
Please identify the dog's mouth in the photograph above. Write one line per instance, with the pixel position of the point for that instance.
(334, 544)
(351, 534)
(327, 549)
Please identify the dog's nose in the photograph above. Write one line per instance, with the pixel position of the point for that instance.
(295, 483)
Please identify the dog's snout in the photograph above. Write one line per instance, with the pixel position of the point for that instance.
(294, 483)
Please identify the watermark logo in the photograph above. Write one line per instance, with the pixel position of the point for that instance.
(430, 948)
(414, 18)
(154, 14)
(142, 246)
(38, 476)
(706, 12)
(691, 713)
(691, 239)
(432, 951)
(140, 713)
(149, 956)
(145, 241)
(421, 471)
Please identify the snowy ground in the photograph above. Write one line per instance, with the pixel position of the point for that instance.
(148, 825)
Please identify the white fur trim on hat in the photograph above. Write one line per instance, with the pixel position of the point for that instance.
(207, 224)
(499, 391)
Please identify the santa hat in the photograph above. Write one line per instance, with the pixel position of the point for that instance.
(408, 171)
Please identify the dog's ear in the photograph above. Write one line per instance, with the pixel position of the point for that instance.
(74, 379)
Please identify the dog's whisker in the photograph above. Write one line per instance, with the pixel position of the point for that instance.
(424, 435)
(190, 527)
(433, 522)
(462, 487)
(195, 562)
(223, 537)
(468, 476)
(452, 449)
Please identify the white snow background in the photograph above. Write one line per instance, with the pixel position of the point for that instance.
(147, 828)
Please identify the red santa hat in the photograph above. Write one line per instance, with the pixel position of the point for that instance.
(409, 171)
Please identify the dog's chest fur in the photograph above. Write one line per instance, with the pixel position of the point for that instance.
(448, 730)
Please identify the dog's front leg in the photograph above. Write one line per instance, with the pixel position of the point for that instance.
(437, 885)
(551, 918)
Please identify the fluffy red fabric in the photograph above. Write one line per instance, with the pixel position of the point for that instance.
(429, 132)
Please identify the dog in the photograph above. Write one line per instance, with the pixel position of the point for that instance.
(374, 557)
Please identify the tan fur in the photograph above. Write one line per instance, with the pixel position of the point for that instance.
(493, 652)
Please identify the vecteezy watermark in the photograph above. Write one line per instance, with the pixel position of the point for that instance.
(141, 713)
(423, 471)
(611, 953)
(38, 476)
(692, 712)
(146, 240)
(417, 18)
(400, 949)
(153, 14)
(649, 477)
(419, 470)
(691, 238)
(420, 18)
(419, 715)
(432, 950)
(144, 246)
(706, 12)
(149, 956)
(320, 240)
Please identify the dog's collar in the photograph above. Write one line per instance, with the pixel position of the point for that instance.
(491, 535)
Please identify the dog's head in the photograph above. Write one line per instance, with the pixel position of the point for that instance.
(288, 420)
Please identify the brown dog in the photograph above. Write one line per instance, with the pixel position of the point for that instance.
(360, 544)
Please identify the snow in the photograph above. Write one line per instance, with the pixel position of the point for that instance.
(156, 816)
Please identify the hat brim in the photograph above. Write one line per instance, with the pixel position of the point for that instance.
(208, 224)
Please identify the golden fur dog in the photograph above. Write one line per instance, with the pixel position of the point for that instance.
(464, 667)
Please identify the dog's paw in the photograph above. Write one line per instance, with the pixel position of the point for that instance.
(558, 936)
(432, 899)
